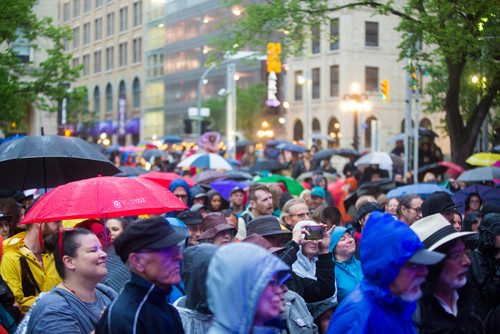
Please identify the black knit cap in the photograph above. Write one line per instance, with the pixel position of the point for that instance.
(147, 234)
(366, 209)
(437, 202)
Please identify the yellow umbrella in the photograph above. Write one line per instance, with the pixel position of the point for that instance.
(483, 159)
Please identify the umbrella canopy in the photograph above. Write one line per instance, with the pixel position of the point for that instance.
(206, 161)
(382, 159)
(171, 139)
(329, 176)
(48, 161)
(320, 136)
(103, 197)
(483, 159)
(486, 193)
(154, 153)
(224, 187)
(329, 152)
(480, 174)
(440, 168)
(294, 187)
(291, 147)
(267, 165)
(165, 179)
(421, 189)
(244, 143)
(208, 176)
(130, 171)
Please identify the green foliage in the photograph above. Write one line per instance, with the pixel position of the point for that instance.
(23, 84)
(249, 110)
(452, 39)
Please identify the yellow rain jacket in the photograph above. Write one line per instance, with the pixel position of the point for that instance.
(46, 277)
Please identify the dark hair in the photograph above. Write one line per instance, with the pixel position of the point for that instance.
(122, 221)
(467, 201)
(69, 247)
(406, 202)
(469, 219)
(228, 213)
(223, 203)
(331, 214)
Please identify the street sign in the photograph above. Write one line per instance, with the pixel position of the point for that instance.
(193, 112)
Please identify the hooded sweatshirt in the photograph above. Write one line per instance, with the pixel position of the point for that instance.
(193, 308)
(386, 244)
(237, 276)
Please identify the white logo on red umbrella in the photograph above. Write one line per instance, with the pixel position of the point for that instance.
(137, 201)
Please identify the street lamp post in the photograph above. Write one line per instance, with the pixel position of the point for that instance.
(306, 82)
(356, 102)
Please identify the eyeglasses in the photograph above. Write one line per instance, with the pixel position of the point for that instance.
(417, 210)
(301, 215)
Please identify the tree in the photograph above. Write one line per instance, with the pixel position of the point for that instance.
(26, 84)
(451, 39)
(249, 110)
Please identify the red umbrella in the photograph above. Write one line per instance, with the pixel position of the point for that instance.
(166, 178)
(103, 197)
(453, 170)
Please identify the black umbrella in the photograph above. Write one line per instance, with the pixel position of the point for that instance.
(434, 168)
(267, 164)
(329, 152)
(374, 188)
(129, 171)
(50, 161)
(148, 154)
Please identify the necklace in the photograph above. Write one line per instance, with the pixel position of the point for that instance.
(69, 289)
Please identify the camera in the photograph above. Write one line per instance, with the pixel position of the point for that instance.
(315, 232)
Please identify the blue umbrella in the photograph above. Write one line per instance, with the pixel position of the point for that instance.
(224, 187)
(171, 139)
(421, 189)
(291, 147)
(487, 194)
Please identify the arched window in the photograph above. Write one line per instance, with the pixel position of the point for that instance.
(426, 124)
(403, 125)
(369, 130)
(97, 100)
(121, 89)
(136, 94)
(109, 98)
(298, 131)
(334, 132)
(316, 127)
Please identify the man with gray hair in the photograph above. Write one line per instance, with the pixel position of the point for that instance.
(293, 211)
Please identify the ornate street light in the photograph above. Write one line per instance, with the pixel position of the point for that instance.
(357, 103)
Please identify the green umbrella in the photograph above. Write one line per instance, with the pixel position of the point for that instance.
(294, 187)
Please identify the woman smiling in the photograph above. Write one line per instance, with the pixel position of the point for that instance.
(75, 305)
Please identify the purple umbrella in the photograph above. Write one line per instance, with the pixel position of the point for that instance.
(224, 187)
(487, 194)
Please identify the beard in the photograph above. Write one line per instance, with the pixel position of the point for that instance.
(458, 283)
(413, 293)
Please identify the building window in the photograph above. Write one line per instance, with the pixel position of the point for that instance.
(66, 11)
(110, 28)
(86, 6)
(97, 100)
(86, 64)
(136, 94)
(122, 54)
(122, 91)
(316, 38)
(316, 83)
(76, 8)
(298, 86)
(97, 61)
(137, 50)
(98, 3)
(109, 58)
(334, 34)
(76, 37)
(371, 79)
(371, 33)
(98, 29)
(298, 131)
(109, 98)
(86, 33)
(123, 18)
(334, 80)
(137, 13)
(75, 62)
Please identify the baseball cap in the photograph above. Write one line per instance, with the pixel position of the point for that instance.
(147, 234)
(437, 202)
(190, 217)
(236, 189)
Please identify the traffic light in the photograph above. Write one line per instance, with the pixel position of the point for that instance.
(414, 81)
(273, 57)
(384, 90)
(188, 126)
(205, 125)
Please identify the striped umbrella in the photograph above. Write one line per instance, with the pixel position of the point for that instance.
(206, 161)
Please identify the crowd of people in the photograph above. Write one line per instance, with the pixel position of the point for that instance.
(259, 260)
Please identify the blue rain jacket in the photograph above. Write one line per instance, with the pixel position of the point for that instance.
(386, 244)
